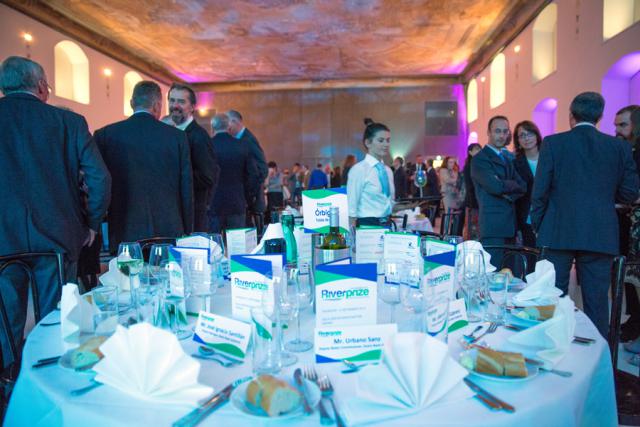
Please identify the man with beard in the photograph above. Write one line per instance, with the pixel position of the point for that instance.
(182, 102)
(255, 200)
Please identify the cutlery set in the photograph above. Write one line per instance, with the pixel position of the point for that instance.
(327, 393)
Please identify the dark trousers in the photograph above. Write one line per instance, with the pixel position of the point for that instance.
(14, 289)
(218, 223)
(497, 255)
(594, 278)
(200, 218)
(275, 201)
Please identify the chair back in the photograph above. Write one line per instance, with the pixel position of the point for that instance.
(450, 223)
(394, 224)
(619, 267)
(146, 244)
(520, 259)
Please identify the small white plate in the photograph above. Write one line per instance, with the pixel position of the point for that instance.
(239, 400)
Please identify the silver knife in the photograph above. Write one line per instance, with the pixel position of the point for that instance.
(216, 401)
(297, 376)
(475, 387)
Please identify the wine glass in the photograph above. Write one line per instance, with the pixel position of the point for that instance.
(218, 254)
(159, 254)
(300, 285)
(390, 287)
(473, 276)
(175, 301)
(288, 308)
(129, 261)
(203, 279)
(412, 295)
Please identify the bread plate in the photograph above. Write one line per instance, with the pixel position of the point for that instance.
(84, 357)
(465, 356)
(239, 401)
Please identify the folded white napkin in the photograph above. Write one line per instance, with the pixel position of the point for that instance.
(469, 245)
(416, 372)
(76, 313)
(149, 363)
(273, 231)
(114, 277)
(541, 286)
(550, 339)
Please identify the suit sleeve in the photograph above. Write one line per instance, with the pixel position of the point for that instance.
(251, 176)
(260, 161)
(203, 159)
(627, 191)
(541, 185)
(483, 175)
(96, 176)
(186, 184)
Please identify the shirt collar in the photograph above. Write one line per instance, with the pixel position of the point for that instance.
(495, 150)
(143, 111)
(585, 124)
(240, 133)
(372, 161)
(183, 125)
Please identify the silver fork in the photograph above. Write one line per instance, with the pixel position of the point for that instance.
(327, 391)
(310, 373)
(492, 328)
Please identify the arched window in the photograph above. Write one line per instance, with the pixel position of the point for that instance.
(620, 87)
(71, 72)
(618, 15)
(472, 101)
(544, 42)
(498, 81)
(544, 115)
(130, 80)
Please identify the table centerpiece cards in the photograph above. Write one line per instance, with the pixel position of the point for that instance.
(353, 343)
(370, 244)
(346, 294)
(251, 276)
(316, 205)
(223, 334)
(241, 240)
(402, 247)
(439, 265)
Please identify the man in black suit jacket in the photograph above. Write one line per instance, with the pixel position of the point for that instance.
(433, 181)
(399, 178)
(43, 149)
(580, 176)
(237, 129)
(152, 193)
(497, 186)
(182, 102)
(238, 176)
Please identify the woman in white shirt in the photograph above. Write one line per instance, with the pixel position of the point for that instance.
(370, 188)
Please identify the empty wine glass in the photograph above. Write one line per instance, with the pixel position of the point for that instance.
(473, 276)
(300, 284)
(412, 295)
(390, 286)
(203, 280)
(175, 300)
(129, 261)
(288, 308)
(218, 255)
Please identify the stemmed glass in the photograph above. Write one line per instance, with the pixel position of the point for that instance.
(299, 284)
(412, 295)
(473, 276)
(129, 262)
(390, 287)
(288, 308)
(203, 278)
(217, 256)
(177, 294)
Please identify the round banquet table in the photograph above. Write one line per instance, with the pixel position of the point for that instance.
(41, 397)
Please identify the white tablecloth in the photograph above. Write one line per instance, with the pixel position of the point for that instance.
(41, 396)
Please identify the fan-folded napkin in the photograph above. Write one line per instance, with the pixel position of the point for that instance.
(273, 231)
(114, 277)
(473, 245)
(76, 313)
(541, 286)
(416, 372)
(550, 339)
(149, 363)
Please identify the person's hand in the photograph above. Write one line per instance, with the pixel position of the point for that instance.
(90, 238)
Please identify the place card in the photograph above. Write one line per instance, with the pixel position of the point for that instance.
(370, 244)
(346, 294)
(223, 334)
(355, 343)
(250, 279)
(304, 243)
(457, 315)
(402, 246)
(439, 265)
(241, 240)
(316, 205)
(201, 241)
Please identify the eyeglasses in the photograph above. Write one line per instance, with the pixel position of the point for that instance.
(523, 135)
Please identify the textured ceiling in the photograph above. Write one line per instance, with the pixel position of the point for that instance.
(276, 40)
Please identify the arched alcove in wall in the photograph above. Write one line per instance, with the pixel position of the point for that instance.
(544, 115)
(545, 31)
(620, 87)
(131, 78)
(71, 72)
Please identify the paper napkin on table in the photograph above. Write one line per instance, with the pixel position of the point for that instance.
(149, 363)
(416, 372)
(273, 231)
(541, 286)
(469, 245)
(550, 339)
(114, 277)
(76, 313)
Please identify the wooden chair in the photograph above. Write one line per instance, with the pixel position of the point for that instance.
(519, 259)
(146, 244)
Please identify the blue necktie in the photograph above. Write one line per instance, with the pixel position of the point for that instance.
(384, 179)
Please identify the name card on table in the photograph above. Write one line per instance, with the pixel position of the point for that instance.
(346, 294)
(354, 343)
(241, 240)
(303, 243)
(200, 241)
(226, 335)
(370, 244)
(250, 279)
(439, 265)
(403, 247)
(316, 205)
(457, 315)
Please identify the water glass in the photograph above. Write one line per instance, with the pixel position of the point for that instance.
(473, 284)
(105, 304)
(129, 261)
(174, 312)
(299, 283)
(153, 282)
(266, 341)
(497, 285)
(390, 287)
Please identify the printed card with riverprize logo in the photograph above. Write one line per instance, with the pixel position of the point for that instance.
(346, 294)
(354, 343)
(316, 205)
(223, 334)
(250, 279)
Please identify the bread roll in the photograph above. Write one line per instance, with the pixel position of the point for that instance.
(88, 354)
(507, 271)
(540, 312)
(500, 363)
(274, 396)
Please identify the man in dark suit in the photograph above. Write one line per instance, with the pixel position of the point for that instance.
(255, 201)
(152, 193)
(433, 181)
(43, 150)
(497, 186)
(182, 102)
(399, 178)
(580, 176)
(238, 176)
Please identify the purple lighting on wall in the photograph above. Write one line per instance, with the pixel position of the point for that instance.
(620, 87)
(625, 67)
(544, 115)
(457, 93)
